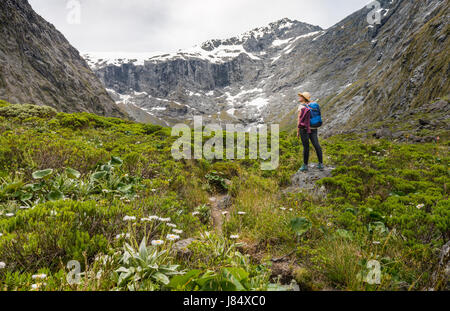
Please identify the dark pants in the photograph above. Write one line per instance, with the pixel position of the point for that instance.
(315, 141)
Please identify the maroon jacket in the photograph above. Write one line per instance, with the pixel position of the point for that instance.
(304, 118)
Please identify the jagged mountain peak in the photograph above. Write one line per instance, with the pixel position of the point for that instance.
(217, 51)
(259, 38)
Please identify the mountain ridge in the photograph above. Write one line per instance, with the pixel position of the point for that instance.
(39, 66)
(211, 68)
(332, 64)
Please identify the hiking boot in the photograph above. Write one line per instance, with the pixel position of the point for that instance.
(304, 168)
(320, 167)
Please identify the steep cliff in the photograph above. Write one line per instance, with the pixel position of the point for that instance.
(223, 80)
(39, 66)
(361, 73)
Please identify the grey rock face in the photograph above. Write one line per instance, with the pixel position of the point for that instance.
(307, 180)
(39, 66)
(359, 73)
(383, 133)
(181, 248)
(441, 276)
(222, 80)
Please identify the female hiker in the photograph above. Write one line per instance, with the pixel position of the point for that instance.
(306, 130)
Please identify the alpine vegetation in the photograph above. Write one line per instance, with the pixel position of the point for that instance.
(289, 158)
(235, 143)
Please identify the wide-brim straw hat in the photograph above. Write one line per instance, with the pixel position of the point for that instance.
(305, 95)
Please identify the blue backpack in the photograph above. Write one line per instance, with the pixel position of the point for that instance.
(316, 115)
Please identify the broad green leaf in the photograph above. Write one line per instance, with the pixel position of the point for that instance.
(161, 278)
(74, 174)
(55, 195)
(235, 276)
(143, 249)
(13, 186)
(378, 226)
(116, 161)
(300, 225)
(227, 286)
(26, 196)
(42, 174)
(125, 188)
(98, 175)
(106, 168)
(239, 273)
(184, 282)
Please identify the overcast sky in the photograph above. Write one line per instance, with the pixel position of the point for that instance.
(169, 25)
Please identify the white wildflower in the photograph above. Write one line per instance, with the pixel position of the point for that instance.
(195, 213)
(9, 215)
(177, 231)
(234, 236)
(42, 276)
(151, 218)
(24, 207)
(282, 208)
(129, 218)
(2, 265)
(242, 213)
(225, 213)
(164, 219)
(172, 237)
(172, 225)
(34, 286)
(420, 206)
(99, 275)
(376, 242)
(157, 242)
(122, 235)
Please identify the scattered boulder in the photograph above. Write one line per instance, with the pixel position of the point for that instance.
(442, 275)
(308, 180)
(181, 247)
(224, 203)
(212, 199)
(383, 133)
(398, 135)
(441, 106)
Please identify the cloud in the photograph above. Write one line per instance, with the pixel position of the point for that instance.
(161, 25)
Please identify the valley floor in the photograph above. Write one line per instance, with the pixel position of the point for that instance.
(103, 197)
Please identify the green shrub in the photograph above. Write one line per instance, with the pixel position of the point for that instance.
(44, 236)
(4, 103)
(26, 111)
